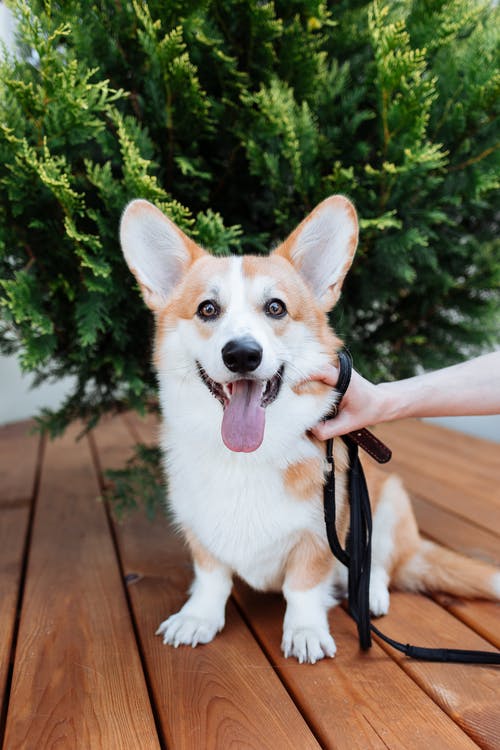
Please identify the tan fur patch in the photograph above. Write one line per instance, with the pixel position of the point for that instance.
(257, 265)
(375, 480)
(309, 563)
(300, 302)
(304, 479)
(406, 535)
(187, 296)
(310, 388)
(196, 285)
(201, 556)
(286, 280)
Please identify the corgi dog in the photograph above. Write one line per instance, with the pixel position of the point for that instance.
(236, 340)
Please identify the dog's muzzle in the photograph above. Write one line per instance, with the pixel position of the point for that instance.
(222, 392)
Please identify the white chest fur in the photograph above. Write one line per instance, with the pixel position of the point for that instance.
(237, 504)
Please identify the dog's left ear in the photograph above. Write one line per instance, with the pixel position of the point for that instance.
(322, 248)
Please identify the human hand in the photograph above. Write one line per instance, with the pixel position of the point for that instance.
(470, 387)
(360, 406)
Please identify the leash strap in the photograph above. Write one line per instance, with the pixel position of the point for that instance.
(357, 554)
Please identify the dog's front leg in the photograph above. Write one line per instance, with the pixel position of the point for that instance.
(203, 615)
(308, 592)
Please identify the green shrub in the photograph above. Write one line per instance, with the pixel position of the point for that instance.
(236, 117)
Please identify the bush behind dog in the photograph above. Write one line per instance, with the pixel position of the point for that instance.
(236, 118)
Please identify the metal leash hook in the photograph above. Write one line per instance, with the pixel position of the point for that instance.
(357, 555)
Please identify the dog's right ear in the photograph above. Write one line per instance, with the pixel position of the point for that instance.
(157, 252)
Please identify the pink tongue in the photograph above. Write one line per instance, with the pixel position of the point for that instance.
(244, 418)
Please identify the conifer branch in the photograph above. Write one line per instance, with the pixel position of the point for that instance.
(235, 119)
(474, 159)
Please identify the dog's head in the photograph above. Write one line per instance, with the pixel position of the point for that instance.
(249, 327)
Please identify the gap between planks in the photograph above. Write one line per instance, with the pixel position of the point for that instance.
(365, 726)
(112, 531)
(249, 705)
(10, 638)
(64, 686)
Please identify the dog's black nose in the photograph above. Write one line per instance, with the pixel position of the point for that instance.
(242, 355)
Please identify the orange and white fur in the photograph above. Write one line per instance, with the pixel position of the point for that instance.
(236, 340)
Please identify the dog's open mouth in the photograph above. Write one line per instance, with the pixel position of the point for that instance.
(244, 403)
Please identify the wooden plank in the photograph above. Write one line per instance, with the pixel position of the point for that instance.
(357, 700)
(143, 429)
(422, 478)
(456, 532)
(453, 531)
(480, 456)
(481, 616)
(467, 693)
(18, 462)
(463, 537)
(437, 476)
(17, 486)
(221, 695)
(77, 678)
(446, 527)
(229, 693)
(13, 526)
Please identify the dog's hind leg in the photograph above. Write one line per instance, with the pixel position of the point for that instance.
(203, 615)
(391, 516)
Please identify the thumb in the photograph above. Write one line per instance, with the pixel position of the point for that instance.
(339, 425)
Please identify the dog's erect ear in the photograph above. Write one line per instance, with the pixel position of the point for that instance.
(157, 252)
(322, 248)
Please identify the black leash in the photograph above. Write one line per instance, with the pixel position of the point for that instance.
(357, 554)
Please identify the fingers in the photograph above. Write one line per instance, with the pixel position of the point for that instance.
(328, 375)
(331, 428)
(357, 408)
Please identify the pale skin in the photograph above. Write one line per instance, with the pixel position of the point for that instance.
(470, 388)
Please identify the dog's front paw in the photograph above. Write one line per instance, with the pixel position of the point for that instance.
(189, 630)
(308, 644)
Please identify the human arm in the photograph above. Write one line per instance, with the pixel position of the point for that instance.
(469, 388)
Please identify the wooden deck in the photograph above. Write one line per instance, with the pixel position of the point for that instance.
(81, 597)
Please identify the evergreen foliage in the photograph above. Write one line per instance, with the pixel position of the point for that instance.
(140, 481)
(236, 117)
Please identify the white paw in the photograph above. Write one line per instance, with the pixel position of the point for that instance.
(308, 644)
(189, 630)
(379, 599)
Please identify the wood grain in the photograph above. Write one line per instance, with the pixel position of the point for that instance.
(18, 462)
(469, 457)
(435, 473)
(19, 451)
(77, 681)
(468, 694)
(221, 695)
(456, 532)
(479, 457)
(468, 539)
(357, 700)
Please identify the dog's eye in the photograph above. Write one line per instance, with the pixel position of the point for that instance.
(208, 310)
(275, 308)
